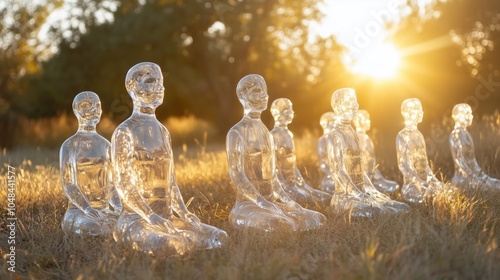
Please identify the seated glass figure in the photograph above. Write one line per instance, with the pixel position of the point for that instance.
(86, 173)
(362, 124)
(327, 184)
(419, 181)
(468, 174)
(354, 192)
(261, 201)
(155, 219)
(289, 175)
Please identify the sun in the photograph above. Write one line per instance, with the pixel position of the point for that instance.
(381, 61)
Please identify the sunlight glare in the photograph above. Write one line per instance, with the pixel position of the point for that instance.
(381, 61)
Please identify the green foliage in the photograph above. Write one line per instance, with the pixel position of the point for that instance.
(203, 47)
(20, 49)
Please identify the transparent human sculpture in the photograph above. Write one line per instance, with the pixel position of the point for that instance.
(155, 219)
(261, 201)
(86, 174)
(354, 192)
(327, 184)
(467, 174)
(419, 181)
(289, 175)
(362, 123)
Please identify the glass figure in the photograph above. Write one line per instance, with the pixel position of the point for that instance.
(362, 124)
(419, 181)
(468, 174)
(354, 192)
(155, 219)
(289, 175)
(327, 184)
(86, 173)
(261, 201)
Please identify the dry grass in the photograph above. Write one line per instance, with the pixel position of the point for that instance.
(453, 237)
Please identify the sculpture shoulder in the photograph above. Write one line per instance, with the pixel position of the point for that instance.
(92, 139)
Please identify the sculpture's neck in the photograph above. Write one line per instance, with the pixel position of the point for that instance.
(344, 123)
(281, 125)
(253, 115)
(460, 126)
(144, 110)
(411, 126)
(86, 128)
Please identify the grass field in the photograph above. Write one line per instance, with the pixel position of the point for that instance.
(452, 237)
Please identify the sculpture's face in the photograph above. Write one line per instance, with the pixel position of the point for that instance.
(327, 121)
(282, 111)
(411, 109)
(462, 114)
(344, 103)
(362, 121)
(144, 83)
(87, 108)
(252, 93)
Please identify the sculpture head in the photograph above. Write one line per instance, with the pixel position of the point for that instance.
(327, 121)
(87, 108)
(411, 109)
(462, 115)
(362, 121)
(252, 93)
(144, 83)
(344, 104)
(282, 111)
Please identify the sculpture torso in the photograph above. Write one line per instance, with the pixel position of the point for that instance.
(149, 160)
(417, 155)
(91, 155)
(258, 155)
(463, 140)
(352, 154)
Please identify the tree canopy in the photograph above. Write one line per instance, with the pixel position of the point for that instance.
(205, 47)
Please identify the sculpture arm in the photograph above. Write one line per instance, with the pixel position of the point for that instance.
(371, 161)
(475, 166)
(235, 150)
(299, 180)
(178, 204)
(111, 192)
(279, 192)
(323, 155)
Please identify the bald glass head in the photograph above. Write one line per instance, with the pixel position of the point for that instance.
(144, 83)
(282, 111)
(87, 109)
(345, 104)
(462, 115)
(412, 112)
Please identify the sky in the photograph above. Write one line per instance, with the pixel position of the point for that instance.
(359, 23)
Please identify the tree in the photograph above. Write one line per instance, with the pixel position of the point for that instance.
(204, 48)
(20, 50)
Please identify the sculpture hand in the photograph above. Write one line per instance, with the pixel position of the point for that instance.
(162, 223)
(96, 214)
(193, 218)
(296, 207)
(263, 203)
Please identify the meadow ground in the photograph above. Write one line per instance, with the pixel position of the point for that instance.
(454, 236)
